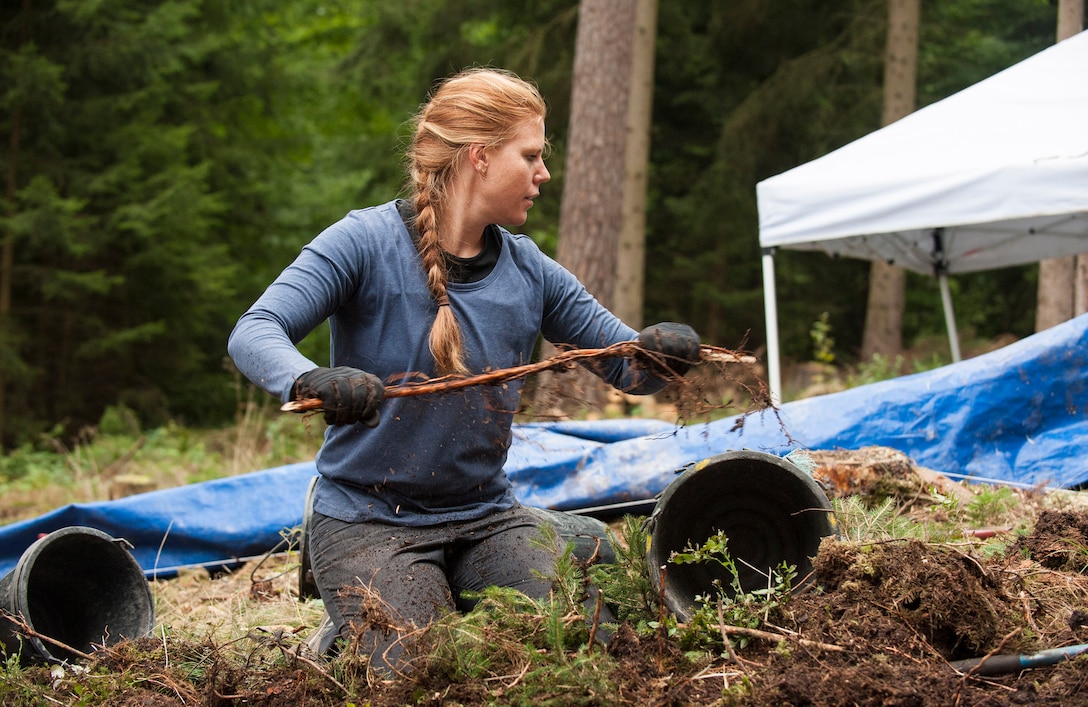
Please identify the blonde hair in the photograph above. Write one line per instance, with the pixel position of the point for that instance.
(475, 107)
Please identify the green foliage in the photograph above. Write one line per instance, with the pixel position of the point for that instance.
(948, 518)
(860, 521)
(729, 605)
(465, 646)
(506, 633)
(17, 686)
(987, 305)
(167, 158)
(54, 470)
(181, 128)
(119, 420)
(991, 505)
(964, 41)
(823, 344)
(734, 113)
(879, 368)
(626, 582)
(26, 462)
(741, 112)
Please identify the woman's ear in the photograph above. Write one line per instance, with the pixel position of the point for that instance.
(477, 155)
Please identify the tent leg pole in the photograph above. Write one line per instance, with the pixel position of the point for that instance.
(770, 307)
(949, 318)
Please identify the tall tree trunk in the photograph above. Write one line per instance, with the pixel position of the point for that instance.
(887, 282)
(1080, 286)
(1054, 298)
(631, 258)
(1063, 282)
(592, 206)
(593, 190)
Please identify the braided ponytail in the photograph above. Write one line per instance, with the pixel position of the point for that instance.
(445, 341)
(475, 107)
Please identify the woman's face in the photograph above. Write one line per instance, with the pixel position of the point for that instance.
(511, 176)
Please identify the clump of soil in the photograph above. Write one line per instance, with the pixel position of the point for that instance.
(944, 597)
(894, 616)
(880, 622)
(1059, 541)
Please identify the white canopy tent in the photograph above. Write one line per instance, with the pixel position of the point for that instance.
(993, 176)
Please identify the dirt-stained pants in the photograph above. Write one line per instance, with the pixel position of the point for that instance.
(418, 572)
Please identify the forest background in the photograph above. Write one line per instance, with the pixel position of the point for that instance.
(163, 160)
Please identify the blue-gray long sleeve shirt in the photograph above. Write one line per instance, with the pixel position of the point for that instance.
(433, 458)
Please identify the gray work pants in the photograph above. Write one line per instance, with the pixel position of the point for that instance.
(380, 581)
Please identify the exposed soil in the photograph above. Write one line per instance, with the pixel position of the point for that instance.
(901, 612)
(879, 623)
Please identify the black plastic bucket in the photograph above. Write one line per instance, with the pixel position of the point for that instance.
(77, 586)
(770, 511)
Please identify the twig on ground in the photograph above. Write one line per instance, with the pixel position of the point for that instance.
(596, 622)
(1027, 611)
(661, 621)
(729, 644)
(776, 637)
(324, 673)
(23, 627)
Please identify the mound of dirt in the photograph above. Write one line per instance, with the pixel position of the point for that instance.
(883, 624)
(1059, 541)
(880, 622)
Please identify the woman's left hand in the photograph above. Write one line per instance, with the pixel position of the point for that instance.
(677, 344)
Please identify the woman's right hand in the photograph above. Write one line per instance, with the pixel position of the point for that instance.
(347, 395)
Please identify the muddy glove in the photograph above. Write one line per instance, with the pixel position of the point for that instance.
(347, 395)
(677, 344)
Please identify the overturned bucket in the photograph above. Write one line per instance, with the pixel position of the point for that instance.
(79, 587)
(770, 511)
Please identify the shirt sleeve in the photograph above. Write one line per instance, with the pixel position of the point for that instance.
(307, 292)
(574, 317)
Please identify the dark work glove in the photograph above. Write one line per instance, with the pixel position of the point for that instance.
(677, 344)
(347, 395)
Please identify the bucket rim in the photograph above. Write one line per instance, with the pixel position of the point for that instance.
(663, 521)
(20, 577)
(684, 474)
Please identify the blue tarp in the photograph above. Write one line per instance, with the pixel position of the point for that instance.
(1018, 414)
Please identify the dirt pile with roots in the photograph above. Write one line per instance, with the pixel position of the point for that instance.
(882, 620)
